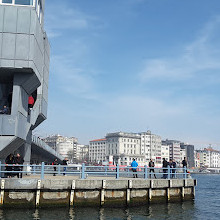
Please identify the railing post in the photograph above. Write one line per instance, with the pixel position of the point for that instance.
(117, 171)
(42, 170)
(83, 171)
(106, 170)
(59, 169)
(0, 169)
(145, 172)
(34, 169)
(168, 171)
(185, 173)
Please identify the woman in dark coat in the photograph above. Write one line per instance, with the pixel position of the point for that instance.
(9, 161)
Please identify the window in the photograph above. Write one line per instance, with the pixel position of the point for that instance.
(7, 1)
(24, 2)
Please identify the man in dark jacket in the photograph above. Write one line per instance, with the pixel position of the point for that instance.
(165, 165)
(19, 161)
(174, 169)
(151, 164)
(184, 163)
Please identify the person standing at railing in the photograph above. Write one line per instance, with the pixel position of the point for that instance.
(134, 166)
(151, 164)
(171, 167)
(19, 161)
(65, 165)
(9, 161)
(174, 169)
(165, 170)
(55, 163)
(184, 163)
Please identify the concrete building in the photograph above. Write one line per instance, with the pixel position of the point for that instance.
(189, 153)
(174, 149)
(97, 150)
(24, 72)
(65, 146)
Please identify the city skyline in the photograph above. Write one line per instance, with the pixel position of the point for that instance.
(134, 65)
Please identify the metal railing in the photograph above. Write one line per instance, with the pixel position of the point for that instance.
(82, 171)
(40, 143)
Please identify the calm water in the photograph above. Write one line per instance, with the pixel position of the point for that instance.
(205, 206)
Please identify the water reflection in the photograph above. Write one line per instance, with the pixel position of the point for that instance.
(183, 210)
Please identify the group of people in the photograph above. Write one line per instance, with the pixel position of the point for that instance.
(172, 165)
(14, 163)
(64, 163)
(151, 165)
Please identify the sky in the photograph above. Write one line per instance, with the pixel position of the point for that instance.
(133, 66)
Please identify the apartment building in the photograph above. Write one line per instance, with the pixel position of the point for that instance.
(165, 152)
(123, 147)
(97, 150)
(174, 147)
(65, 146)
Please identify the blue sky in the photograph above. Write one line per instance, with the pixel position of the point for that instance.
(134, 65)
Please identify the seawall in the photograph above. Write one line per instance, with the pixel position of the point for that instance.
(93, 192)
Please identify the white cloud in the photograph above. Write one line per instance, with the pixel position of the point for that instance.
(60, 17)
(198, 56)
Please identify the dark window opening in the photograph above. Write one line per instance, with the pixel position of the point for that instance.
(6, 91)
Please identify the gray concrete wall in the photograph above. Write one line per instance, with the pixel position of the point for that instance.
(24, 56)
(126, 192)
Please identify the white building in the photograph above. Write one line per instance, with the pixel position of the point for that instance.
(209, 157)
(165, 152)
(82, 152)
(63, 145)
(182, 154)
(97, 150)
(123, 147)
(151, 147)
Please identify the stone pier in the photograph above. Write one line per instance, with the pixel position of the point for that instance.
(93, 192)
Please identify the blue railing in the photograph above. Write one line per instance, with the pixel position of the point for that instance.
(82, 171)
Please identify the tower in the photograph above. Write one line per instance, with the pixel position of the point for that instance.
(24, 73)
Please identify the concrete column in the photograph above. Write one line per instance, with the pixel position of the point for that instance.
(25, 150)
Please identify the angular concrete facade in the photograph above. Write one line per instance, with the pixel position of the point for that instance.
(24, 71)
